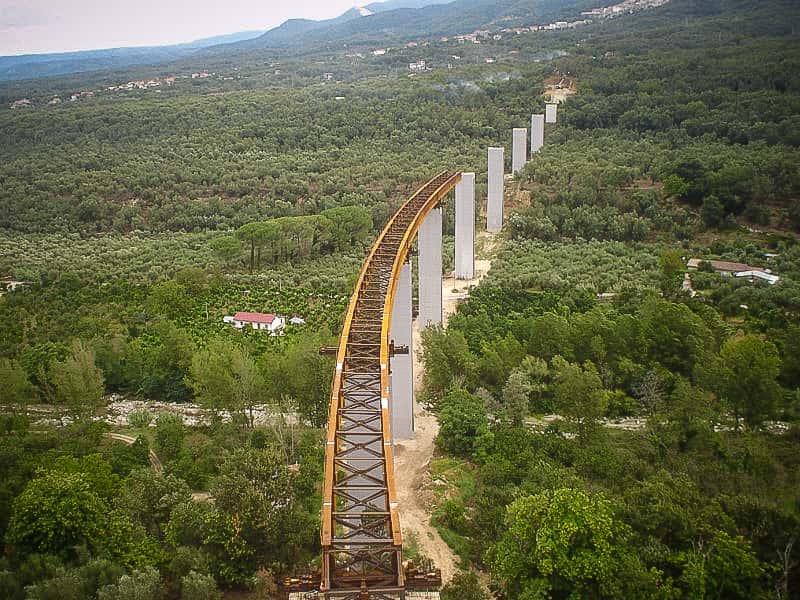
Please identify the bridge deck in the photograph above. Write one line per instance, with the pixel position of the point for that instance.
(361, 540)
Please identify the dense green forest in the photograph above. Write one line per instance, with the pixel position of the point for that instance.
(603, 433)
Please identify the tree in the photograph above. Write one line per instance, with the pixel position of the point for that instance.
(254, 490)
(722, 567)
(170, 432)
(579, 397)
(464, 425)
(159, 361)
(227, 248)
(16, 391)
(302, 374)
(463, 586)
(516, 397)
(744, 376)
(566, 543)
(675, 186)
(196, 586)
(110, 352)
(498, 358)
(676, 337)
(650, 391)
(15, 387)
(55, 513)
(149, 498)
(350, 226)
(224, 376)
(712, 212)
(168, 299)
(672, 271)
(139, 585)
(549, 336)
(447, 360)
(251, 233)
(77, 382)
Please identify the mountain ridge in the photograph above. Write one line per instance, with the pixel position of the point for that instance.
(35, 66)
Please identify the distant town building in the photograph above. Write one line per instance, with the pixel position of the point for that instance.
(418, 67)
(21, 103)
(327, 76)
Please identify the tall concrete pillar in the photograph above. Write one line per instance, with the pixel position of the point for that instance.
(401, 392)
(465, 227)
(430, 270)
(520, 154)
(551, 112)
(537, 133)
(494, 204)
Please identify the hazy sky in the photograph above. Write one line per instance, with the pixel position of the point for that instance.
(32, 26)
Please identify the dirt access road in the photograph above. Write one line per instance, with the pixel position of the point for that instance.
(413, 457)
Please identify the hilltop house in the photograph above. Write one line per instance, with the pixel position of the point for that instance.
(274, 324)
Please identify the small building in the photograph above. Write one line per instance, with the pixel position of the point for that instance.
(9, 284)
(418, 67)
(274, 324)
(762, 275)
(733, 269)
(21, 103)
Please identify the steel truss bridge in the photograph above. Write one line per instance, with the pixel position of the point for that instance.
(362, 546)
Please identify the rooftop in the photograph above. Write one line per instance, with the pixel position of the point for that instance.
(721, 265)
(249, 317)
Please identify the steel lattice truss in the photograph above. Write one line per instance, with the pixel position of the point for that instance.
(361, 541)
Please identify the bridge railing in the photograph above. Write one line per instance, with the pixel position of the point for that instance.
(364, 547)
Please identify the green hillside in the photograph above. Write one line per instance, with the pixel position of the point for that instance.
(608, 426)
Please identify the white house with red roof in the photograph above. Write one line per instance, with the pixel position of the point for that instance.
(274, 324)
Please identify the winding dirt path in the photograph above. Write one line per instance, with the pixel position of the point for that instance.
(155, 462)
(412, 458)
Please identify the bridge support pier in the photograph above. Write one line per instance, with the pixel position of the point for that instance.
(430, 270)
(494, 204)
(551, 112)
(401, 390)
(537, 133)
(465, 227)
(520, 154)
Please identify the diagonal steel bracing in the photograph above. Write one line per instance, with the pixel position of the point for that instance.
(361, 541)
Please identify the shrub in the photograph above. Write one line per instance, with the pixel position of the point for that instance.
(463, 586)
(67, 586)
(139, 585)
(140, 419)
(196, 586)
(170, 432)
